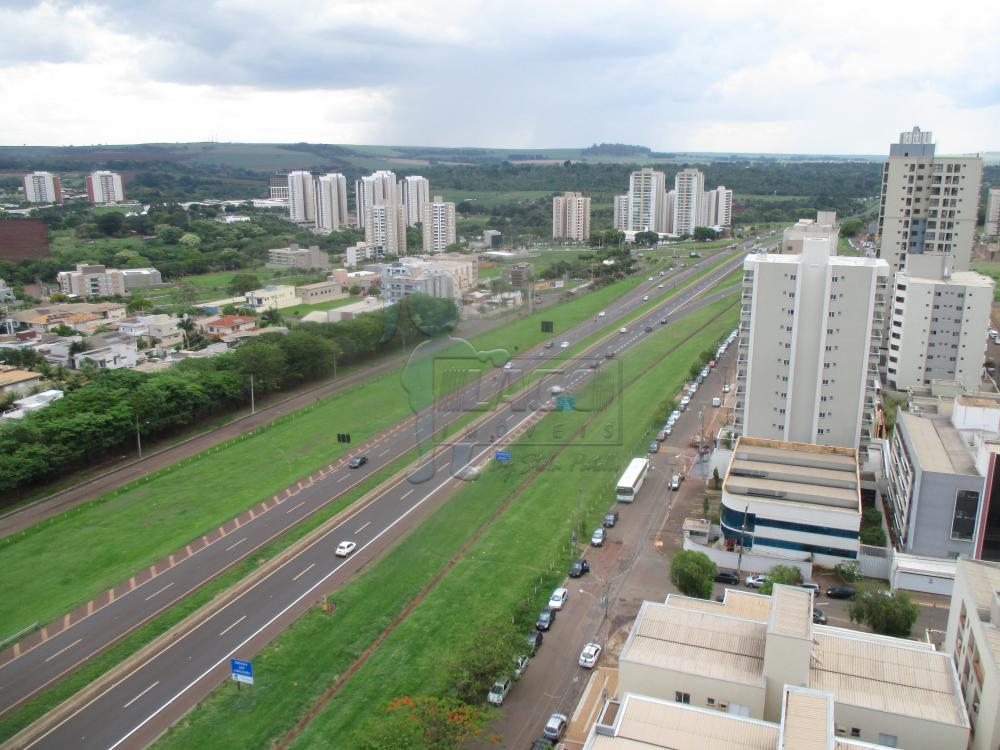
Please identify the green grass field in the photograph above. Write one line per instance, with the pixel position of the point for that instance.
(528, 542)
(299, 310)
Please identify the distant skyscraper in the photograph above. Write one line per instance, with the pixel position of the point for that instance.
(385, 225)
(620, 212)
(42, 187)
(647, 201)
(301, 197)
(571, 216)
(993, 213)
(438, 225)
(929, 203)
(690, 186)
(718, 207)
(375, 189)
(105, 187)
(331, 202)
(416, 191)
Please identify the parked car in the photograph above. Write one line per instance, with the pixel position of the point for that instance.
(545, 619)
(819, 617)
(755, 581)
(534, 641)
(555, 727)
(623, 329)
(579, 568)
(811, 585)
(610, 519)
(725, 388)
(841, 592)
(675, 482)
(520, 665)
(675, 415)
(357, 462)
(597, 538)
(668, 429)
(499, 691)
(727, 576)
(661, 436)
(589, 656)
(716, 401)
(601, 314)
(508, 366)
(558, 598)
(346, 548)
(711, 364)
(653, 447)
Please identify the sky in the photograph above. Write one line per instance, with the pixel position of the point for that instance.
(713, 75)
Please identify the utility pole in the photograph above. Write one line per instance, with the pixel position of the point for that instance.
(253, 406)
(335, 364)
(743, 531)
(138, 436)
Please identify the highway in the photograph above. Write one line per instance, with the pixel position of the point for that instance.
(135, 710)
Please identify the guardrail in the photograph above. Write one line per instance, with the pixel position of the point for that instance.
(18, 634)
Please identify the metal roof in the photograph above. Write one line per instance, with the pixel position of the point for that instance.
(807, 720)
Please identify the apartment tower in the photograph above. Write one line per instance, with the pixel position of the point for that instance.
(331, 202)
(690, 186)
(647, 201)
(105, 187)
(301, 197)
(993, 213)
(378, 188)
(416, 191)
(385, 225)
(42, 187)
(571, 217)
(620, 212)
(438, 225)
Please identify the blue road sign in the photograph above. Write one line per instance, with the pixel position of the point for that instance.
(565, 403)
(503, 455)
(242, 670)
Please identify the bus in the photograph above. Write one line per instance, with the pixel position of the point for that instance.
(632, 479)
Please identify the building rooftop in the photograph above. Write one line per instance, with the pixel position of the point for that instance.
(735, 603)
(938, 445)
(806, 720)
(791, 612)
(984, 580)
(12, 376)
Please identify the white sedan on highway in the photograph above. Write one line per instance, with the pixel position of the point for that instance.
(589, 656)
(346, 548)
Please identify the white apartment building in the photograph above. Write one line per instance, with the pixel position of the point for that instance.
(301, 197)
(993, 213)
(571, 216)
(331, 202)
(162, 328)
(425, 274)
(438, 224)
(278, 187)
(415, 192)
(90, 280)
(824, 226)
(719, 207)
(362, 252)
(807, 357)
(385, 225)
(375, 189)
(792, 501)
(42, 187)
(647, 198)
(738, 657)
(939, 319)
(690, 186)
(620, 212)
(272, 297)
(929, 203)
(105, 187)
(294, 256)
(972, 640)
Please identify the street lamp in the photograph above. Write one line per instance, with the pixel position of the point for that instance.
(138, 436)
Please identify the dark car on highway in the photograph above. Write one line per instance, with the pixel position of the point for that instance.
(545, 619)
(357, 463)
(841, 592)
(579, 568)
(728, 576)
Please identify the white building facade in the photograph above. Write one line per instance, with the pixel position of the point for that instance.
(415, 192)
(378, 188)
(385, 225)
(42, 187)
(689, 185)
(437, 225)
(571, 217)
(301, 197)
(331, 202)
(993, 213)
(105, 187)
(647, 210)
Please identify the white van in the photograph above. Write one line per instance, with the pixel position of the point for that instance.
(716, 401)
(675, 482)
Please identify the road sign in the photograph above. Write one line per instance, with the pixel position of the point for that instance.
(503, 455)
(565, 403)
(242, 671)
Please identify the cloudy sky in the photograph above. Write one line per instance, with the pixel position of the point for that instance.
(710, 75)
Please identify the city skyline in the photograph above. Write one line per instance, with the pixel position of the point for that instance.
(710, 83)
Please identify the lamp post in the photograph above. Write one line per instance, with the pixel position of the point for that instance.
(253, 405)
(138, 436)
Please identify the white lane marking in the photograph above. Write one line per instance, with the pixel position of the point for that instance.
(141, 694)
(342, 478)
(235, 544)
(60, 651)
(295, 578)
(383, 453)
(232, 626)
(160, 591)
(363, 527)
(295, 507)
(406, 495)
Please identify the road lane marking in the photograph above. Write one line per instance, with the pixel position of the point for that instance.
(141, 694)
(235, 545)
(363, 527)
(160, 591)
(296, 507)
(406, 495)
(295, 578)
(232, 626)
(60, 651)
(383, 453)
(342, 478)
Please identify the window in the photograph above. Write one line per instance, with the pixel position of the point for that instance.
(889, 740)
(963, 522)
(855, 732)
(710, 701)
(682, 697)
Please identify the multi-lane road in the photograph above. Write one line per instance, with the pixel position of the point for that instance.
(138, 707)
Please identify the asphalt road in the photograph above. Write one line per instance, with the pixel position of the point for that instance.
(136, 709)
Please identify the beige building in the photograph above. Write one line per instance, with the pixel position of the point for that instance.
(620, 212)
(272, 298)
(571, 217)
(939, 323)
(824, 226)
(362, 252)
(689, 187)
(807, 358)
(321, 291)
(385, 225)
(378, 188)
(331, 202)
(437, 224)
(301, 197)
(294, 256)
(736, 657)
(993, 213)
(929, 203)
(973, 642)
(105, 187)
(42, 187)
(92, 280)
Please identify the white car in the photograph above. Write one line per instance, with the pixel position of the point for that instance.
(508, 366)
(659, 286)
(564, 345)
(558, 598)
(346, 548)
(650, 278)
(622, 330)
(645, 298)
(589, 656)
(601, 314)
(725, 387)
(755, 582)
(498, 692)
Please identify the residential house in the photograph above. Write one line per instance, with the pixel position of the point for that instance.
(227, 325)
(14, 380)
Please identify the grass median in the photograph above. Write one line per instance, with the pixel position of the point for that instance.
(510, 566)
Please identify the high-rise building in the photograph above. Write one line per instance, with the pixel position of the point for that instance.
(438, 225)
(806, 368)
(331, 202)
(385, 225)
(278, 186)
(620, 212)
(42, 187)
(690, 186)
(939, 317)
(824, 226)
(718, 210)
(105, 187)
(375, 189)
(301, 197)
(416, 191)
(929, 203)
(993, 213)
(647, 201)
(571, 216)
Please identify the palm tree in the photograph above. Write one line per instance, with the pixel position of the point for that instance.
(270, 317)
(186, 325)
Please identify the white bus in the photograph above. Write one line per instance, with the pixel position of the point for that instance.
(632, 479)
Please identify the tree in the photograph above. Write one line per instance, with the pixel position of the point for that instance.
(705, 233)
(421, 722)
(786, 574)
(111, 223)
(850, 227)
(271, 317)
(646, 238)
(168, 234)
(472, 668)
(692, 573)
(886, 613)
(849, 571)
(242, 283)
